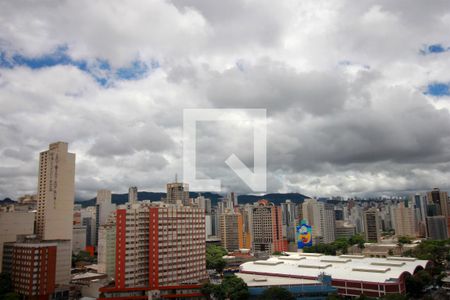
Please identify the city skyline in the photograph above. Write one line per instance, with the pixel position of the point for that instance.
(354, 108)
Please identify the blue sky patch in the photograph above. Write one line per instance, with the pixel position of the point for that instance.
(438, 89)
(99, 69)
(432, 49)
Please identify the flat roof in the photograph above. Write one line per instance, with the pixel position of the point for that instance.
(253, 280)
(356, 268)
(87, 275)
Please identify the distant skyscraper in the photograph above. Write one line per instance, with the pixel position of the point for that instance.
(233, 198)
(439, 205)
(231, 234)
(420, 212)
(107, 249)
(440, 199)
(133, 195)
(247, 225)
(437, 228)
(104, 208)
(78, 238)
(56, 193)
(289, 221)
(322, 218)
(177, 192)
(372, 225)
(267, 229)
(404, 221)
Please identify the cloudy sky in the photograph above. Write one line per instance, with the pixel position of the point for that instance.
(356, 92)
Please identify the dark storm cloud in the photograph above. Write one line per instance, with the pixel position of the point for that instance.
(276, 87)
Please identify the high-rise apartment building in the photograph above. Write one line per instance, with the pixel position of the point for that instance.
(437, 228)
(159, 244)
(177, 192)
(439, 205)
(231, 234)
(289, 220)
(56, 193)
(440, 199)
(404, 219)
(372, 225)
(267, 229)
(104, 208)
(329, 232)
(321, 217)
(247, 225)
(106, 250)
(419, 202)
(133, 195)
(78, 239)
(13, 224)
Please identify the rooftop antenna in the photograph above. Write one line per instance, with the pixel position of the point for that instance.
(176, 177)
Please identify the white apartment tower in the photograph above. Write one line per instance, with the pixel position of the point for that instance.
(56, 193)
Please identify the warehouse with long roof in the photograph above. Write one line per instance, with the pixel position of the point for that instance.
(352, 275)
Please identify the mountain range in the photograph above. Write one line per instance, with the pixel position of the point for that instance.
(276, 198)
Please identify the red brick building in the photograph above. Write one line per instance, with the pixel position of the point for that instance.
(33, 270)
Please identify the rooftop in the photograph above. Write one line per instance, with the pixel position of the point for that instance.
(344, 267)
(262, 280)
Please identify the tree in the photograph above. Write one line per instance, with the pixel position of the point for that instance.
(235, 288)
(357, 240)
(214, 258)
(404, 239)
(395, 297)
(401, 240)
(11, 296)
(5, 284)
(416, 283)
(276, 293)
(232, 287)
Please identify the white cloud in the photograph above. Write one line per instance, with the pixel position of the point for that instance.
(342, 82)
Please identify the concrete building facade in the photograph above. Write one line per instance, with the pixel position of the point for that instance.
(322, 218)
(78, 238)
(231, 234)
(405, 224)
(106, 250)
(177, 193)
(372, 228)
(267, 229)
(13, 224)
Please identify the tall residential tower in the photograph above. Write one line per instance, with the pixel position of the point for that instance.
(56, 193)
